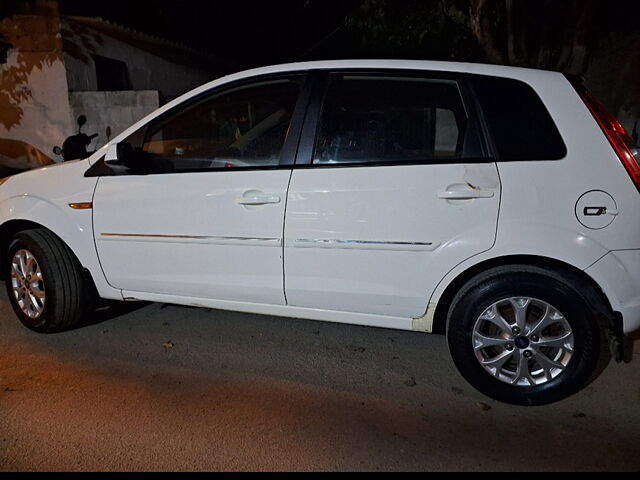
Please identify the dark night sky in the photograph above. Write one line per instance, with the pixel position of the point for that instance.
(246, 32)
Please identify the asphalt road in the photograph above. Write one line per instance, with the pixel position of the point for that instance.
(166, 388)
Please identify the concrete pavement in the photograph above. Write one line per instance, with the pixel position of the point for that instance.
(162, 388)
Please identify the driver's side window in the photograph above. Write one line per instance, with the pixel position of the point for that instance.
(242, 128)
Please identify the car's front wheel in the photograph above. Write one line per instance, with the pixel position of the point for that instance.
(45, 282)
(523, 335)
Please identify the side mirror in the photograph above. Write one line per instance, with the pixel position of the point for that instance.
(119, 157)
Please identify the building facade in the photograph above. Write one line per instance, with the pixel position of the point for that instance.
(60, 68)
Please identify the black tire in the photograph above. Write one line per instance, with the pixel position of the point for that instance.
(68, 295)
(503, 283)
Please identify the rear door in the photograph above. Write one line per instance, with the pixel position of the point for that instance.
(393, 187)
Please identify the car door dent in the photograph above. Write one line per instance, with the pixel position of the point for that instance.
(481, 176)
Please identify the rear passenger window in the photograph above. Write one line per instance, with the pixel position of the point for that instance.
(369, 120)
(522, 127)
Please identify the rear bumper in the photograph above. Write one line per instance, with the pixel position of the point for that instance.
(618, 274)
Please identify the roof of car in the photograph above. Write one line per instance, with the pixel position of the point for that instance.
(397, 65)
(427, 65)
(517, 73)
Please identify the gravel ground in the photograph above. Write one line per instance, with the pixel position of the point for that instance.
(152, 387)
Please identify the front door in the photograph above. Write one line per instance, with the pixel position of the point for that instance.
(201, 214)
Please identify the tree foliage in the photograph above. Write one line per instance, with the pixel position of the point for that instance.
(26, 59)
(415, 28)
(551, 34)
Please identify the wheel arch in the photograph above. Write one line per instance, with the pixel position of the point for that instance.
(11, 228)
(8, 231)
(584, 284)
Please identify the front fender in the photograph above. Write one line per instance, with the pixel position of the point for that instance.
(43, 197)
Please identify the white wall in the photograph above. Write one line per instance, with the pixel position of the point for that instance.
(114, 110)
(49, 80)
(147, 70)
(34, 107)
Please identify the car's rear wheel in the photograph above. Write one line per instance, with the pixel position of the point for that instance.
(45, 282)
(523, 335)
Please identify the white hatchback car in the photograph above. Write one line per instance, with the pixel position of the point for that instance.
(498, 205)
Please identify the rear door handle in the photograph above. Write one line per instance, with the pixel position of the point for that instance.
(256, 199)
(465, 194)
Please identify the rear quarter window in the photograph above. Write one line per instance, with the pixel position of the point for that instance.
(521, 125)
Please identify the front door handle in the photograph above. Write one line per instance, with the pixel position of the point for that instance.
(255, 199)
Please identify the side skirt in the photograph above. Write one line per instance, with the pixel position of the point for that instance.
(379, 321)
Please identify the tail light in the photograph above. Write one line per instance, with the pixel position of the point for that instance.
(623, 144)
